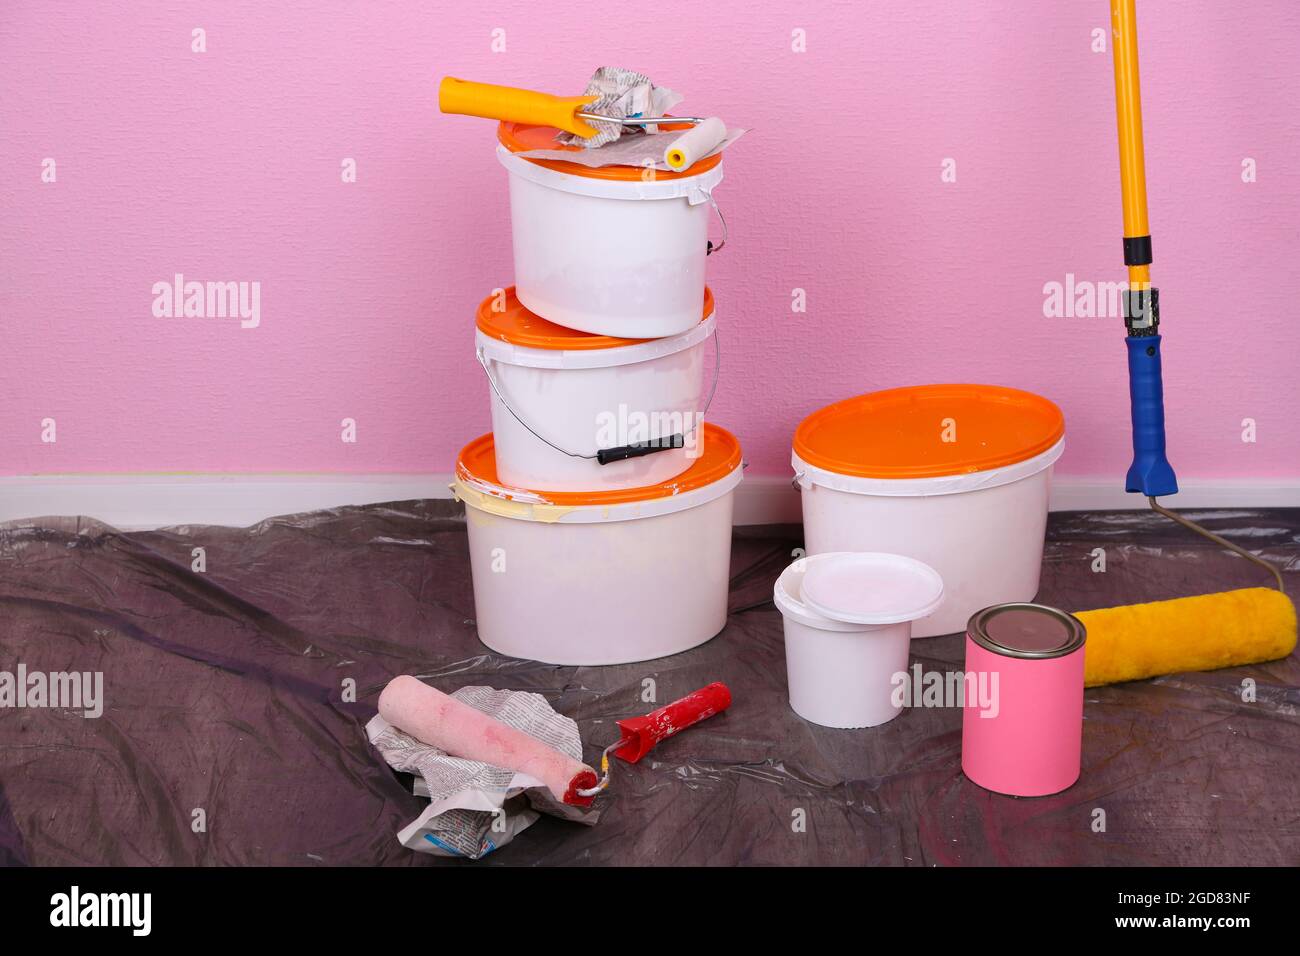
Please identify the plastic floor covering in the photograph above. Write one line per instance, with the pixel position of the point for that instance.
(223, 711)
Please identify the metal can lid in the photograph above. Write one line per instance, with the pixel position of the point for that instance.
(1033, 631)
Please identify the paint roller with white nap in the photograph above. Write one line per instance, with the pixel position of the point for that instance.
(695, 143)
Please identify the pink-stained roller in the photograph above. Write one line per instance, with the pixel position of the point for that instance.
(444, 722)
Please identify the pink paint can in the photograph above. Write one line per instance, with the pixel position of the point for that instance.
(1022, 725)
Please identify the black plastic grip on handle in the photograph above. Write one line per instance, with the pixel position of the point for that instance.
(1142, 311)
(1137, 250)
(640, 449)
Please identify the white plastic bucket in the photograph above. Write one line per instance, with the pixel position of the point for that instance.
(843, 673)
(955, 475)
(557, 412)
(609, 578)
(983, 531)
(620, 257)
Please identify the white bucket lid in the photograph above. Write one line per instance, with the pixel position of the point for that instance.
(787, 595)
(871, 587)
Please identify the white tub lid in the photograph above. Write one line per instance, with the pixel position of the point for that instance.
(872, 587)
(787, 595)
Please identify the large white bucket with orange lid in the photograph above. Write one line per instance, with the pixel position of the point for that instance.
(613, 250)
(955, 476)
(606, 577)
(578, 412)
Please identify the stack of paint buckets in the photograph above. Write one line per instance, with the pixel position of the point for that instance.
(599, 508)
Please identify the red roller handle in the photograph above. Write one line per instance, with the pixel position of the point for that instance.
(640, 734)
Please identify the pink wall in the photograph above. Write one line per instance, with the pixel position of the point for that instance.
(226, 165)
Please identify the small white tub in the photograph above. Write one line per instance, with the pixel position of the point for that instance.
(601, 578)
(579, 412)
(956, 476)
(604, 250)
(843, 673)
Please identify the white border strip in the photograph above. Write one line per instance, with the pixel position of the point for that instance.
(135, 502)
(1108, 494)
(138, 502)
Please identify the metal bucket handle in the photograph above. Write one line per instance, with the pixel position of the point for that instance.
(715, 246)
(606, 456)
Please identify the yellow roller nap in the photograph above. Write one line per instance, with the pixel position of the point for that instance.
(1201, 633)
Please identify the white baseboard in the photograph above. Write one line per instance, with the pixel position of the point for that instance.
(770, 499)
(135, 502)
(1108, 494)
(146, 501)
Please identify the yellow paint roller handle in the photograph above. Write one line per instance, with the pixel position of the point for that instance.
(514, 105)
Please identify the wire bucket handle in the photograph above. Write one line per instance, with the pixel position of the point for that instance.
(712, 246)
(605, 456)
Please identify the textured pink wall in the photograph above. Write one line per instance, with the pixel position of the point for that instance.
(225, 165)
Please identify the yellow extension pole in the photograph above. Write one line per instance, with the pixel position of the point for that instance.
(1128, 111)
(1195, 633)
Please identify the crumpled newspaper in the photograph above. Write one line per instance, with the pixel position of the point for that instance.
(475, 808)
(622, 93)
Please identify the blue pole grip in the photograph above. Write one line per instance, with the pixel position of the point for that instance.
(1150, 473)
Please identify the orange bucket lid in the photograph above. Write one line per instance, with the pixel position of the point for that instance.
(516, 325)
(720, 457)
(523, 137)
(928, 431)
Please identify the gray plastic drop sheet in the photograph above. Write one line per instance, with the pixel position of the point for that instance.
(225, 738)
